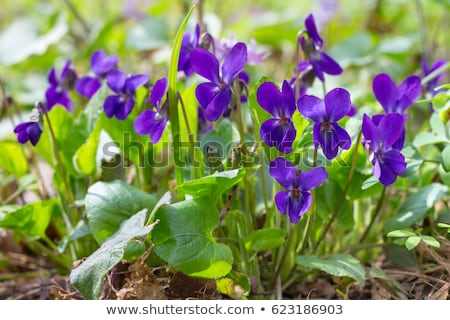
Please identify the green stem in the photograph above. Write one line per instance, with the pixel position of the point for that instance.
(435, 73)
(312, 212)
(264, 186)
(40, 249)
(59, 163)
(343, 195)
(374, 216)
(237, 94)
(286, 250)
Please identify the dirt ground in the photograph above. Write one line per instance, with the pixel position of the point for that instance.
(29, 277)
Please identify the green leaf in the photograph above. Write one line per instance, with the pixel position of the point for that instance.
(12, 158)
(265, 239)
(220, 264)
(431, 241)
(437, 125)
(88, 277)
(443, 225)
(184, 239)
(370, 182)
(412, 242)
(109, 204)
(32, 219)
(446, 158)
(21, 40)
(172, 94)
(425, 138)
(401, 233)
(236, 285)
(191, 104)
(79, 147)
(338, 265)
(84, 158)
(212, 186)
(61, 121)
(416, 206)
(223, 137)
(390, 281)
(81, 230)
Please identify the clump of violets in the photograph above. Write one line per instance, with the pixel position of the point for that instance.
(101, 65)
(31, 130)
(311, 44)
(295, 200)
(216, 95)
(153, 122)
(326, 113)
(278, 132)
(379, 140)
(121, 103)
(60, 85)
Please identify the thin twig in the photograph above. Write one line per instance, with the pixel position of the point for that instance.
(415, 274)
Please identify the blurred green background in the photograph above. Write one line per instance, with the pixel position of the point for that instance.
(365, 37)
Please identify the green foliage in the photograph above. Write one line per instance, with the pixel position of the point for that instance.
(32, 219)
(88, 277)
(212, 186)
(13, 159)
(341, 265)
(184, 239)
(109, 204)
(224, 223)
(235, 285)
(265, 239)
(414, 208)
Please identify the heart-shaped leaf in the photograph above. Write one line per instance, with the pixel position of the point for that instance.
(88, 277)
(338, 265)
(109, 204)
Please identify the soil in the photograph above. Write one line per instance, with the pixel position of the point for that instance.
(27, 276)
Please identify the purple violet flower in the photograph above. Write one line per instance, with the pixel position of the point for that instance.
(311, 29)
(312, 48)
(223, 46)
(215, 96)
(431, 85)
(30, 130)
(153, 122)
(58, 93)
(122, 102)
(188, 44)
(100, 64)
(379, 139)
(278, 132)
(325, 114)
(296, 199)
(395, 99)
